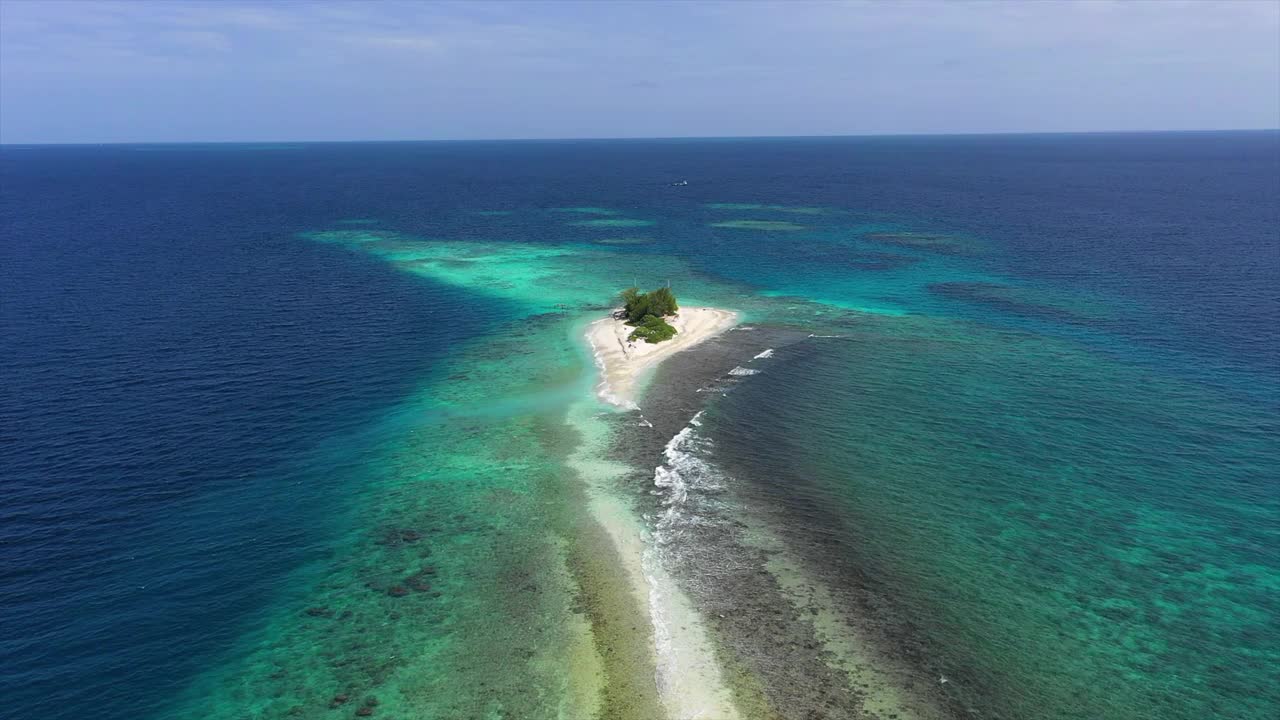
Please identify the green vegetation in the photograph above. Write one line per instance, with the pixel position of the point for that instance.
(646, 311)
(659, 303)
(653, 330)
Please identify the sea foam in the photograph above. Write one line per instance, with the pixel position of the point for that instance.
(688, 676)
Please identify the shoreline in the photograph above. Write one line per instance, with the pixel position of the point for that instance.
(775, 633)
(622, 363)
(688, 677)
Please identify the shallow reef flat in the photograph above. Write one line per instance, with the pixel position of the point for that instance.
(698, 552)
(586, 210)
(794, 209)
(931, 242)
(766, 225)
(624, 241)
(613, 223)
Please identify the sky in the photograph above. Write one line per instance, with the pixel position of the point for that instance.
(172, 71)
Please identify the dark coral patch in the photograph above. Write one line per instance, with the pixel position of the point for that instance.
(882, 261)
(393, 537)
(930, 242)
(1006, 298)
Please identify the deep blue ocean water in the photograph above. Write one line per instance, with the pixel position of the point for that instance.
(193, 395)
(187, 395)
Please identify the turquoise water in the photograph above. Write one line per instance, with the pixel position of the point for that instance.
(1038, 520)
(1013, 453)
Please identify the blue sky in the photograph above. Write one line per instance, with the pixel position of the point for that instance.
(224, 71)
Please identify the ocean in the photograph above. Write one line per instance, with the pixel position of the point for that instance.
(307, 430)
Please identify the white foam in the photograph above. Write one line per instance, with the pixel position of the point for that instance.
(766, 354)
(686, 670)
(739, 370)
(686, 664)
(675, 455)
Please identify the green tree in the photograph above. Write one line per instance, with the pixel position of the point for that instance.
(630, 296)
(663, 302)
(637, 306)
(653, 329)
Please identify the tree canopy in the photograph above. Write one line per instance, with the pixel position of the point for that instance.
(653, 330)
(646, 312)
(658, 303)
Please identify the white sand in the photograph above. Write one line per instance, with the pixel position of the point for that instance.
(689, 678)
(622, 363)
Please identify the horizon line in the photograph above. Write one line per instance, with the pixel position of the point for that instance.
(640, 137)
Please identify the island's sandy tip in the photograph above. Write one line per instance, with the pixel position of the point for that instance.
(622, 362)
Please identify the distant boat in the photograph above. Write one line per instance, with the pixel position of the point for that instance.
(678, 184)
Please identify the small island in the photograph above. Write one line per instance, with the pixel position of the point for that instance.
(648, 328)
(648, 312)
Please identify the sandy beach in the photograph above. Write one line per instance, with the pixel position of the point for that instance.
(622, 362)
(688, 677)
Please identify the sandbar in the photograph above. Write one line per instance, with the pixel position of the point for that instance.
(622, 362)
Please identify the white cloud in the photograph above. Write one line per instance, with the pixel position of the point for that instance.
(783, 66)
